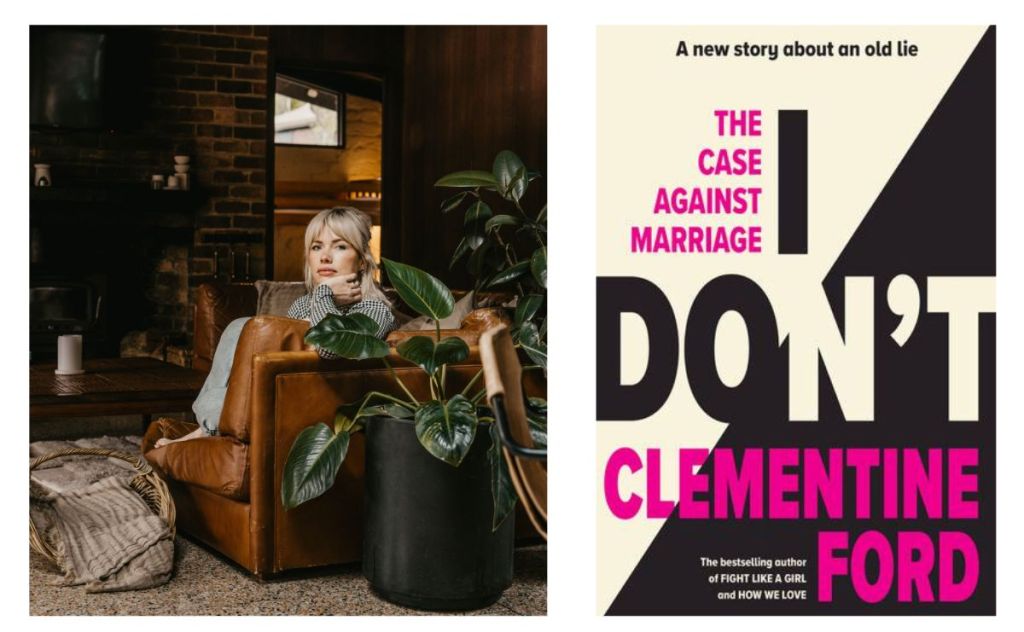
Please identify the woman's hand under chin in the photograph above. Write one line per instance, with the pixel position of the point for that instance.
(347, 288)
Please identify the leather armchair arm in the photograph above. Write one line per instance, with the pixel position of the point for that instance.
(266, 367)
(473, 326)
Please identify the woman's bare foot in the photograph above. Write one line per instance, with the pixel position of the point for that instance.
(195, 434)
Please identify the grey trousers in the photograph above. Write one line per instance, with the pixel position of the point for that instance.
(210, 401)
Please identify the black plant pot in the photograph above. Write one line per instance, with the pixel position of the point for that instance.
(428, 542)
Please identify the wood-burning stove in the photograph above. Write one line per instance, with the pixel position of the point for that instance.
(67, 304)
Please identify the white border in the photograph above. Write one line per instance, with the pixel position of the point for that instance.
(571, 192)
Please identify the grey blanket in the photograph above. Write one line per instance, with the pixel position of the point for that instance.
(107, 538)
(77, 471)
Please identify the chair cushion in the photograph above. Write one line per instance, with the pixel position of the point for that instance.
(216, 464)
(424, 323)
(273, 298)
(476, 322)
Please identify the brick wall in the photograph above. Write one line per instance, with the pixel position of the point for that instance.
(203, 93)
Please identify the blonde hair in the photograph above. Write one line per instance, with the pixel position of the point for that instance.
(353, 226)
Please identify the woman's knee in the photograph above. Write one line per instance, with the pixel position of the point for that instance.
(238, 323)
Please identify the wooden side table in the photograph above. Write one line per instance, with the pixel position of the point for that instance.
(113, 386)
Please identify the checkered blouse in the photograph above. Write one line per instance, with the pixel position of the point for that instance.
(314, 307)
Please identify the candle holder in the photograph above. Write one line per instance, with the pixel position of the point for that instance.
(69, 355)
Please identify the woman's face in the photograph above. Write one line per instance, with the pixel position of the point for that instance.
(331, 256)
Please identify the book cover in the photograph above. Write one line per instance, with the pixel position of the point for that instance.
(796, 320)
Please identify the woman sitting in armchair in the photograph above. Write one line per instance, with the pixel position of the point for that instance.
(339, 274)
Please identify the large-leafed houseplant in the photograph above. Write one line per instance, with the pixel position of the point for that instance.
(446, 422)
(495, 234)
(504, 241)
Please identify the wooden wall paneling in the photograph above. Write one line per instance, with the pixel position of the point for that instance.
(469, 92)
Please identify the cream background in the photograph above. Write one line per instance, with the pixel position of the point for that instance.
(655, 112)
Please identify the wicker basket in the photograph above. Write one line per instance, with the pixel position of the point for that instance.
(146, 483)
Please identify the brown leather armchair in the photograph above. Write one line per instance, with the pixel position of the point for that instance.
(227, 488)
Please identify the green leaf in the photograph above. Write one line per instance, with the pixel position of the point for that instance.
(498, 221)
(532, 342)
(539, 266)
(450, 351)
(542, 217)
(460, 252)
(478, 259)
(423, 293)
(527, 307)
(510, 273)
(509, 174)
(346, 416)
(468, 179)
(312, 464)
(517, 188)
(352, 336)
(502, 491)
(453, 202)
(477, 212)
(447, 430)
(423, 352)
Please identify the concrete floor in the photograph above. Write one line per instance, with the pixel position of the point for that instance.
(207, 584)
